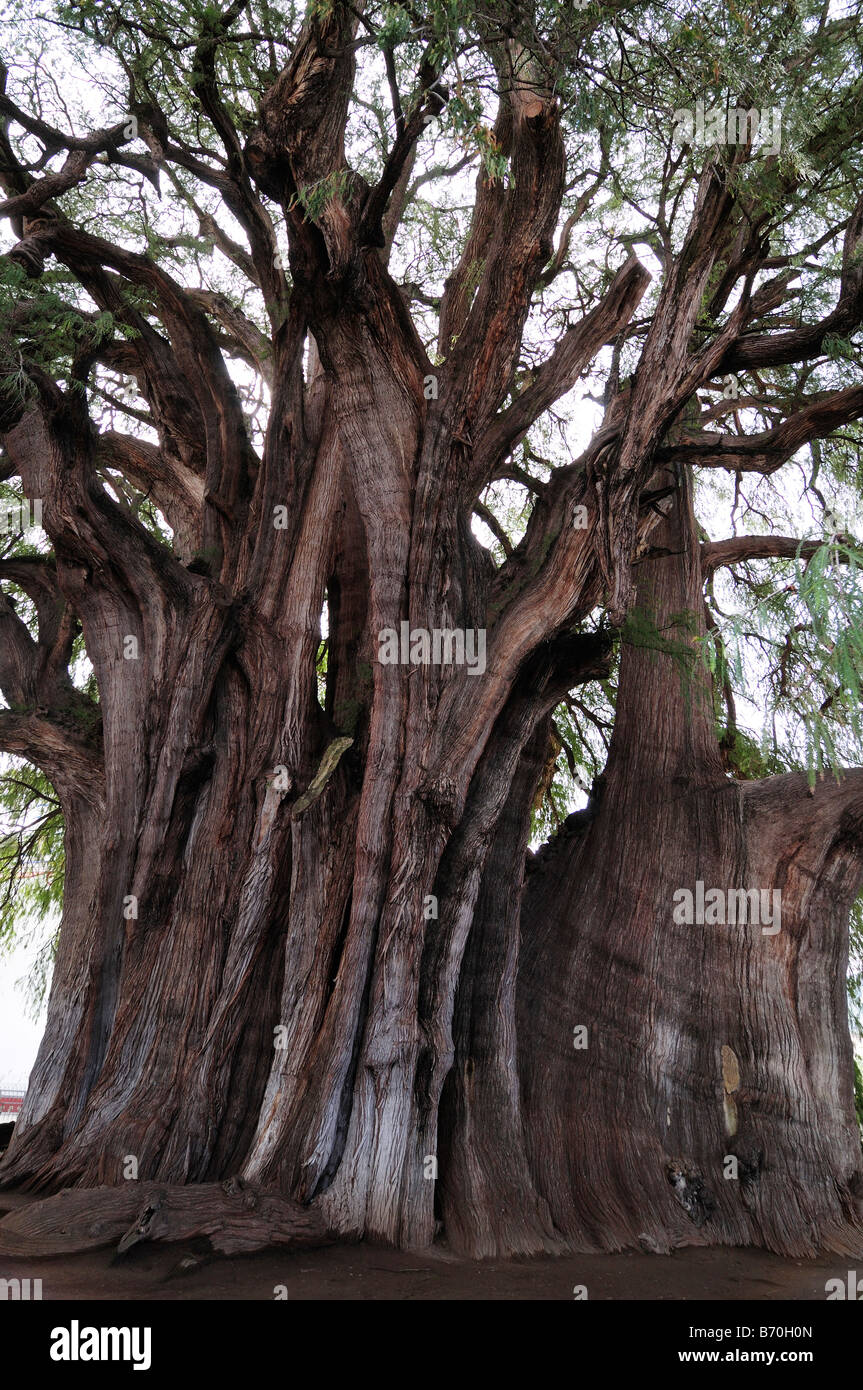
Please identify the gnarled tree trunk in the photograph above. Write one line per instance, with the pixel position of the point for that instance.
(304, 941)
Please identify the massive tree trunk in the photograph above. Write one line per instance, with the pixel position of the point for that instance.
(703, 1042)
(710, 1097)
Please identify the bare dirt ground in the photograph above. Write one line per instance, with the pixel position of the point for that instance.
(368, 1272)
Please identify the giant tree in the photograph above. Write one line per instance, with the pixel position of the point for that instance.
(371, 365)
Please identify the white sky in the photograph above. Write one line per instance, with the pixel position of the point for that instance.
(19, 1034)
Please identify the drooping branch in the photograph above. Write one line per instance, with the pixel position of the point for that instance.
(174, 409)
(491, 521)
(248, 340)
(19, 658)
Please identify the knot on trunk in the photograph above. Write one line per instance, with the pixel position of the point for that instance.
(440, 796)
(34, 248)
(691, 1191)
(268, 166)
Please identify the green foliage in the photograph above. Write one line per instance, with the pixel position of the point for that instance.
(314, 197)
(582, 731)
(804, 637)
(640, 630)
(42, 327)
(396, 26)
(32, 863)
(745, 757)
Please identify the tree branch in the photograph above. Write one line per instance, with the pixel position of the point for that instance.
(70, 760)
(736, 549)
(230, 461)
(559, 372)
(767, 451)
(780, 349)
(480, 367)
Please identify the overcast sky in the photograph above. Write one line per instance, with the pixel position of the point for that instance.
(19, 1034)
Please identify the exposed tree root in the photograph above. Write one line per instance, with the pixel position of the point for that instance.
(236, 1217)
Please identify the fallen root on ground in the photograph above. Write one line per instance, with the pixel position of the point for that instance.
(235, 1216)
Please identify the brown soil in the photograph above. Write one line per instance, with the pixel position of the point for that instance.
(179, 1272)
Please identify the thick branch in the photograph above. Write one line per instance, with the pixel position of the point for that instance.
(301, 138)
(52, 448)
(561, 370)
(252, 344)
(800, 344)
(736, 549)
(70, 759)
(57, 625)
(789, 808)
(231, 463)
(480, 368)
(176, 490)
(767, 451)
(667, 375)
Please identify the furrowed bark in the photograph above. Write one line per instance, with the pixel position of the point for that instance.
(488, 1199)
(702, 1041)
